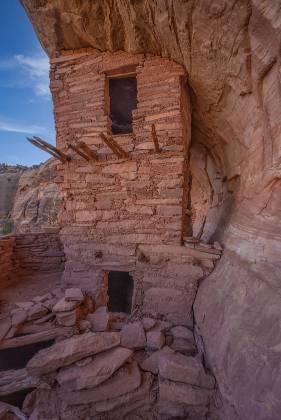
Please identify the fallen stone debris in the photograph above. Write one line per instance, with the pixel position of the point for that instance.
(103, 369)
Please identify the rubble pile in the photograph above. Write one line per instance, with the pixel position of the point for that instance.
(103, 365)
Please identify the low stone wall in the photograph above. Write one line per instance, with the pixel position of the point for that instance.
(6, 265)
(27, 254)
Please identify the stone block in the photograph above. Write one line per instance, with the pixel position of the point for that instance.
(181, 393)
(125, 380)
(67, 319)
(37, 311)
(18, 317)
(71, 350)
(182, 332)
(141, 394)
(95, 372)
(99, 319)
(148, 323)
(184, 346)
(63, 305)
(74, 294)
(155, 339)
(151, 363)
(189, 370)
(173, 304)
(133, 335)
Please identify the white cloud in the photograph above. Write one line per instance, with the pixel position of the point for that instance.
(37, 69)
(22, 128)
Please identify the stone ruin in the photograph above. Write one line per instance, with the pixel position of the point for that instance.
(119, 330)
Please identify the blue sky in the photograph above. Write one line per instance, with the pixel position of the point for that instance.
(25, 101)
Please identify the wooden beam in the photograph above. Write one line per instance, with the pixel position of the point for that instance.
(155, 139)
(49, 148)
(44, 148)
(91, 153)
(75, 149)
(114, 146)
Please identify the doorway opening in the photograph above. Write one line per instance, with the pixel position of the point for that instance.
(122, 102)
(120, 291)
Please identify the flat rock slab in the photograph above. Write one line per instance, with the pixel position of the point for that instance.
(182, 332)
(67, 319)
(71, 350)
(74, 294)
(141, 394)
(63, 305)
(37, 311)
(180, 368)
(125, 380)
(180, 393)
(94, 373)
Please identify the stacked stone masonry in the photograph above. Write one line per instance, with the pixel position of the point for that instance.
(6, 253)
(115, 207)
(27, 254)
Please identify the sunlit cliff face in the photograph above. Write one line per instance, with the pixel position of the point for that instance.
(231, 53)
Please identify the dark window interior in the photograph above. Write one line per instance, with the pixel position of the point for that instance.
(120, 291)
(123, 99)
(17, 358)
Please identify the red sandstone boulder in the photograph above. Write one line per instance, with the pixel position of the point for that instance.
(125, 380)
(95, 372)
(177, 392)
(180, 368)
(71, 350)
(141, 394)
(155, 339)
(151, 363)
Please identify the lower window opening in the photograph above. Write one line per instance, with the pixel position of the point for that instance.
(120, 291)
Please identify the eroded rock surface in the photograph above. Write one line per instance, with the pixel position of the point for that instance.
(37, 200)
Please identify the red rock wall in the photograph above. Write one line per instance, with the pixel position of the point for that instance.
(27, 254)
(115, 206)
(6, 252)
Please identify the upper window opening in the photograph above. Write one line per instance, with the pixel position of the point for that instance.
(120, 291)
(123, 99)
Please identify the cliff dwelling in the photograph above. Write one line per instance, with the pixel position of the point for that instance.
(130, 262)
(139, 274)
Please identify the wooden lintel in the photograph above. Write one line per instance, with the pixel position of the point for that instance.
(49, 148)
(114, 146)
(76, 150)
(155, 139)
(89, 152)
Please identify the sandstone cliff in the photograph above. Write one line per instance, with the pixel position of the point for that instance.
(9, 178)
(37, 200)
(231, 52)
